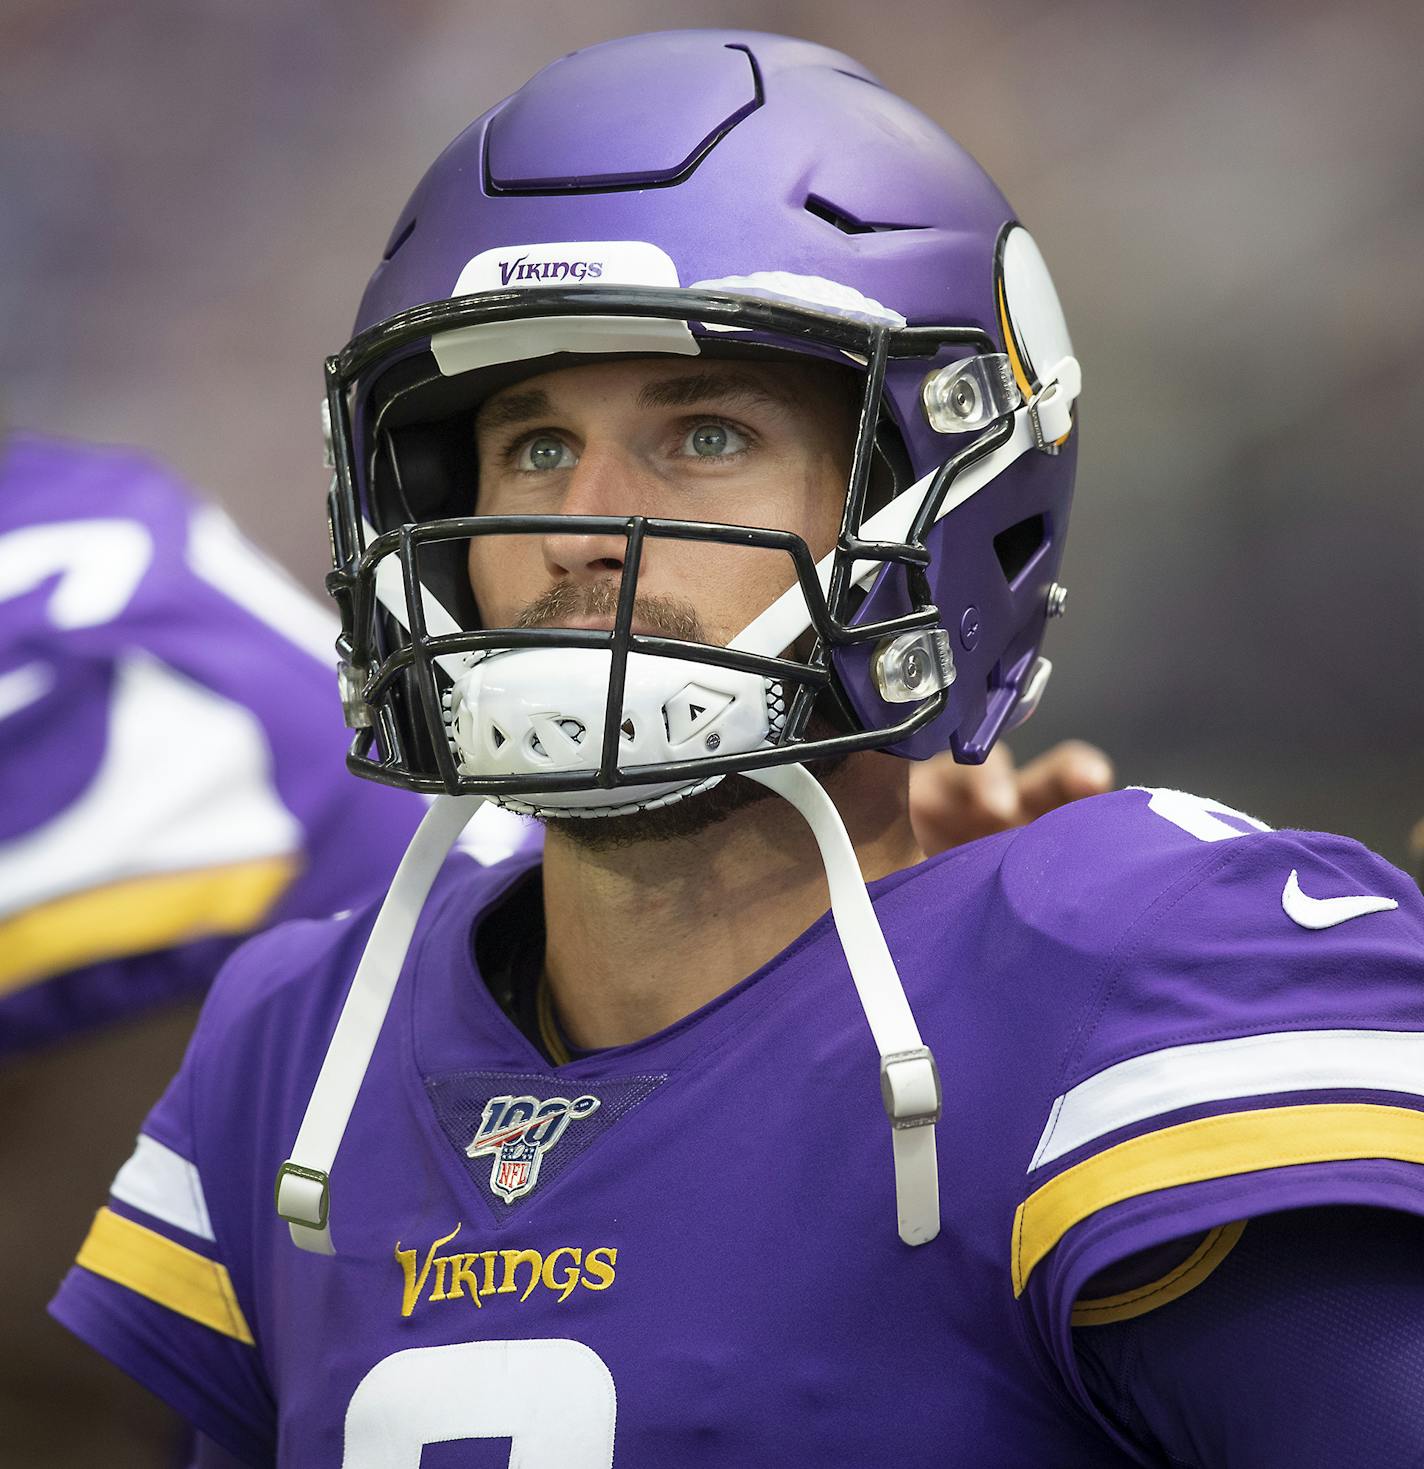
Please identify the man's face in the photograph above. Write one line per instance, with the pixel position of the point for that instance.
(734, 442)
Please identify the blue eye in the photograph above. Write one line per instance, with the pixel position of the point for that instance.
(714, 441)
(544, 452)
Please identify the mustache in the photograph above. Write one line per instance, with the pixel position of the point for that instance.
(670, 616)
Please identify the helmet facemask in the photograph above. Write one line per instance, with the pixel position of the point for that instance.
(444, 704)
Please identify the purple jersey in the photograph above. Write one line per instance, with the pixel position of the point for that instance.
(1153, 1019)
(170, 744)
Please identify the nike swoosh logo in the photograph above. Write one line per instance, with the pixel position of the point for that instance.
(1311, 912)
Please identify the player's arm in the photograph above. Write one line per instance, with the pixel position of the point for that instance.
(156, 1287)
(1305, 1346)
(1250, 1051)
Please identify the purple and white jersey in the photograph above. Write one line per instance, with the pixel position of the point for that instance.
(1153, 1019)
(170, 744)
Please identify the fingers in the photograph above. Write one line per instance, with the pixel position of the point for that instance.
(1067, 772)
(952, 803)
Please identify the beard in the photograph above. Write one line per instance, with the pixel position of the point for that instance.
(672, 618)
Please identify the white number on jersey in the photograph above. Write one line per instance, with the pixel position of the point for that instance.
(553, 1399)
(1198, 816)
(99, 562)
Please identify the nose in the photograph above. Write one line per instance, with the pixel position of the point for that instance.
(602, 483)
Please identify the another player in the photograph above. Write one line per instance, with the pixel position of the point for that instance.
(711, 421)
(168, 746)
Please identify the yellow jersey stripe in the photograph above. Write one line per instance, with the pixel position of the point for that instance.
(1102, 1310)
(156, 1267)
(1210, 1147)
(138, 916)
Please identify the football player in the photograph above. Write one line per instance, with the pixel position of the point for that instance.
(703, 454)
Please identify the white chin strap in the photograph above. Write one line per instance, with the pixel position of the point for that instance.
(909, 1079)
(535, 712)
(303, 1195)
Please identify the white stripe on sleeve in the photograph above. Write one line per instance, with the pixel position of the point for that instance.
(1216, 1071)
(166, 1185)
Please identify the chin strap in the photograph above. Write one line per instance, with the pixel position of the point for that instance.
(909, 1078)
(303, 1181)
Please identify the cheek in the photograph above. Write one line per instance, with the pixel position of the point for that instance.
(728, 586)
(826, 485)
(494, 565)
(733, 585)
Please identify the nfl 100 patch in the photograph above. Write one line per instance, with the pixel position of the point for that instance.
(516, 1132)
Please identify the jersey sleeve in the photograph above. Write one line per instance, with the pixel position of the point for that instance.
(1305, 1346)
(153, 1285)
(175, 1280)
(1252, 1042)
(171, 745)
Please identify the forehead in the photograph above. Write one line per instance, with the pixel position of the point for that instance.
(789, 388)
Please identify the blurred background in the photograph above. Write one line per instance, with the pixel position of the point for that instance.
(1230, 195)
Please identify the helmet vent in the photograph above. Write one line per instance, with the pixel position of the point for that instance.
(855, 76)
(848, 224)
(400, 238)
(1019, 545)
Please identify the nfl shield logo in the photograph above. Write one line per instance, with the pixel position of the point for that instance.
(517, 1132)
(511, 1177)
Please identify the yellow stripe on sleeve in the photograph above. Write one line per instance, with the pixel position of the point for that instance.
(1210, 1147)
(138, 917)
(156, 1267)
(1102, 1310)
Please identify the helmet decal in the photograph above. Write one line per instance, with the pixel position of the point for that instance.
(1035, 332)
(573, 263)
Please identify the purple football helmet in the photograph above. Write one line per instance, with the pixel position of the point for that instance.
(716, 193)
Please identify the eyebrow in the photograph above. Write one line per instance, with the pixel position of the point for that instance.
(726, 390)
(513, 408)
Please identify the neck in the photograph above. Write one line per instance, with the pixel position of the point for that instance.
(643, 934)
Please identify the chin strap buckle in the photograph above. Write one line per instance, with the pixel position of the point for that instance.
(910, 1088)
(303, 1195)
